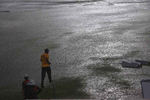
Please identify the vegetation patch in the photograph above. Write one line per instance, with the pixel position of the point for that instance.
(106, 70)
(10, 93)
(103, 69)
(111, 58)
(130, 54)
(65, 88)
(120, 82)
(68, 33)
(52, 45)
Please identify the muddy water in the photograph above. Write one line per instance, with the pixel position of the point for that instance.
(79, 34)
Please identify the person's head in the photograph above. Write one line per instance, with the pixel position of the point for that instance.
(26, 77)
(46, 50)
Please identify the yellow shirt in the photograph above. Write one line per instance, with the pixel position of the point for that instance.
(44, 58)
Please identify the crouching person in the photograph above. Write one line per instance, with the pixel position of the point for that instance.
(30, 89)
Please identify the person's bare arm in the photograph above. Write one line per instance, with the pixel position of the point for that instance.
(48, 61)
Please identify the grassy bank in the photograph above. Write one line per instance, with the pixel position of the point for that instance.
(10, 93)
(64, 88)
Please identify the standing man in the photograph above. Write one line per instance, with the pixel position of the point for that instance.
(45, 67)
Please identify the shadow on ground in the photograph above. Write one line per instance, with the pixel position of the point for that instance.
(65, 88)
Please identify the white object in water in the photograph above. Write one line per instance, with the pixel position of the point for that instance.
(145, 84)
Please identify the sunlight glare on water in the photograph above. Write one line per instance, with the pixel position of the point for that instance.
(79, 34)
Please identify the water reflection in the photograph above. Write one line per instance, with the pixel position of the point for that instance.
(78, 35)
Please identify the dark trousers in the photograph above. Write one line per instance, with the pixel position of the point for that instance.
(31, 92)
(43, 73)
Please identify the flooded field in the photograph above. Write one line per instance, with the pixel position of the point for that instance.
(87, 39)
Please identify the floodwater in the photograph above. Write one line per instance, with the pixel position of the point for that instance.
(79, 34)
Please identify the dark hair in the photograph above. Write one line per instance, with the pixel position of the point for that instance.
(26, 78)
(46, 50)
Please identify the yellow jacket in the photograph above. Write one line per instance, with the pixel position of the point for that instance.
(44, 60)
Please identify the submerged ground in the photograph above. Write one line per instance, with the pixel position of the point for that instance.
(87, 41)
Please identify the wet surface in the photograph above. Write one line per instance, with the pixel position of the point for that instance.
(78, 34)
